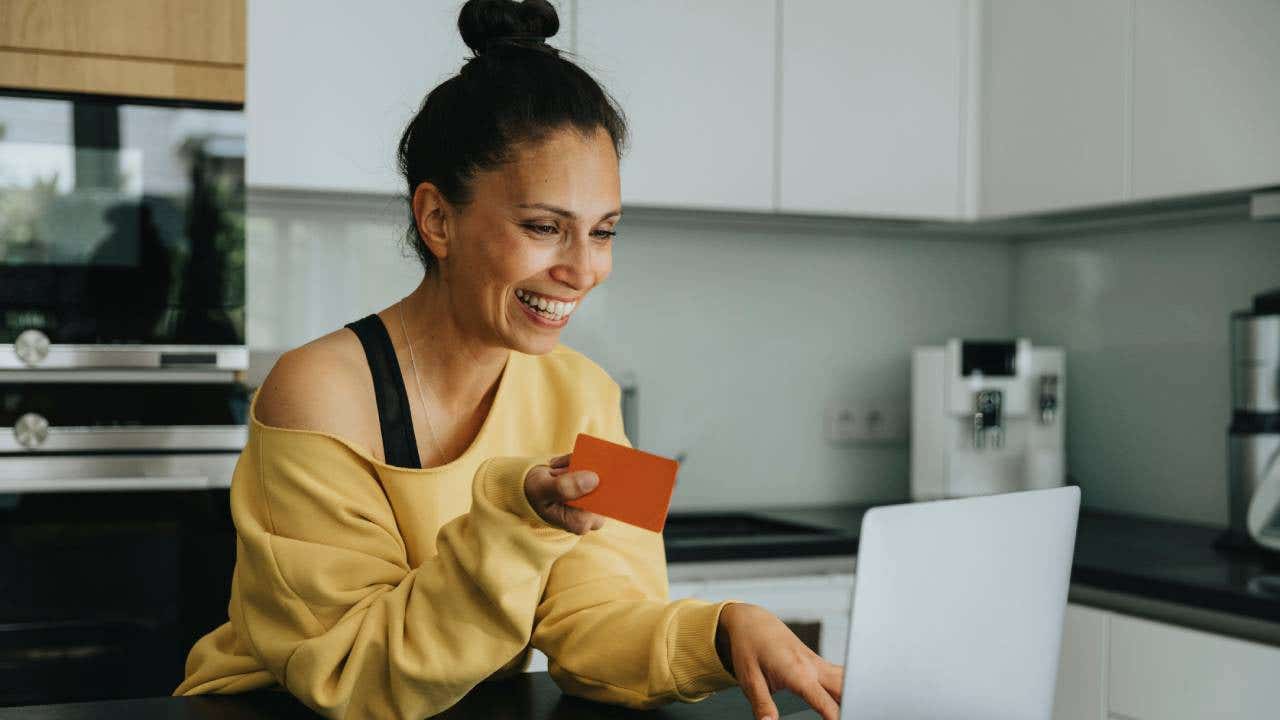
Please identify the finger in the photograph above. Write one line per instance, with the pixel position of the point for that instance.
(818, 699)
(559, 461)
(757, 692)
(574, 485)
(577, 520)
(832, 679)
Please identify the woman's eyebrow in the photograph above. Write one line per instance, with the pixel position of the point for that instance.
(562, 212)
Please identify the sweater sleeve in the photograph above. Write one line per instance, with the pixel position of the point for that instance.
(330, 606)
(606, 625)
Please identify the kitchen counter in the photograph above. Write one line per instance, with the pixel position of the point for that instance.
(529, 696)
(1146, 567)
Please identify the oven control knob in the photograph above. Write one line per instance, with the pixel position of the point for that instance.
(32, 347)
(31, 430)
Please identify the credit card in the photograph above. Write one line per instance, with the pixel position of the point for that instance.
(635, 486)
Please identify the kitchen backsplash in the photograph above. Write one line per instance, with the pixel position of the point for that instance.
(1144, 318)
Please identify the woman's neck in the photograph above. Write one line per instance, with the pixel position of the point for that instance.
(457, 368)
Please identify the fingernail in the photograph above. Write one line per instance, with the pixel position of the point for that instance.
(587, 482)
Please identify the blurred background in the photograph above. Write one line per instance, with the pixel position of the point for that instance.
(845, 223)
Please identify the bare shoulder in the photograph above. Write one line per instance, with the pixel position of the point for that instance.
(322, 386)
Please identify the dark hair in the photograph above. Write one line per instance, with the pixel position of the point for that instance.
(515, 89)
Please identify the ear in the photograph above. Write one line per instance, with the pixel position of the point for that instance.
(429, 212)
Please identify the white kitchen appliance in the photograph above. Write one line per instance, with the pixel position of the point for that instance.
(986, 417)
(958, 608)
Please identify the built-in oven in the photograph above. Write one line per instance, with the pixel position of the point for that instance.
(121, 234)
(122, 408)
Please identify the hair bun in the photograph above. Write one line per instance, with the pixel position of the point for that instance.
(485, 22)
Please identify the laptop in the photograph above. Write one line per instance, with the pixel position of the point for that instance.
(958, 608)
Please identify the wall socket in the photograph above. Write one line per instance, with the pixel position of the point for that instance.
(876, 422)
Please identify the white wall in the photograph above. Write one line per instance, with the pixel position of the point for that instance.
(738, 335)
(1144, 318)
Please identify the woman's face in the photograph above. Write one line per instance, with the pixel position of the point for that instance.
(538, 228)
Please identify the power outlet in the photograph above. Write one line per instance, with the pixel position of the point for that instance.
(869, 423)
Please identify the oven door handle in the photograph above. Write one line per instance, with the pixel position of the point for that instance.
(110, 484)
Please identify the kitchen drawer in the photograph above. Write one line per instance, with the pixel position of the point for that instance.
(1162, 672)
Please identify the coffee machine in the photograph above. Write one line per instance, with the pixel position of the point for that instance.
(1253, 469)
(986, 417)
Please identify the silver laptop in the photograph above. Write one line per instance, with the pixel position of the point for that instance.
(958, 608)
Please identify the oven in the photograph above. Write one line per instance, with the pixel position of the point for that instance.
(121, 234)
(122, 404)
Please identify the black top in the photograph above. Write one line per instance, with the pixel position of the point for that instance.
(399, 445)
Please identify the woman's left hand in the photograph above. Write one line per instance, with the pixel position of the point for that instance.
(765, 656)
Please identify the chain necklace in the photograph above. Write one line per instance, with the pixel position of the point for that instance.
(413, 361)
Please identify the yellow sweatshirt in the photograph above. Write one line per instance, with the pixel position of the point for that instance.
(373, 591)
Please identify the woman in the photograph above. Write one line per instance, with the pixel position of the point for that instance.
(401, 522)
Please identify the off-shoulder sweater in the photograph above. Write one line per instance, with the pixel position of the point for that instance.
(374, 591)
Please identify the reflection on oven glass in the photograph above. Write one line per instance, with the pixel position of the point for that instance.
(121, 223)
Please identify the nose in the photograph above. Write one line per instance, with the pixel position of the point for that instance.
(577, 263)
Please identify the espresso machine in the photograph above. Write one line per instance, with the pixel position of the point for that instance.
(986, 417)
(1253, 470)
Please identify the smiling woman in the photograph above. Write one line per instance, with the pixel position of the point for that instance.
(382, 571)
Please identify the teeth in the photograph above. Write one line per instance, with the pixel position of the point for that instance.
(553, 309)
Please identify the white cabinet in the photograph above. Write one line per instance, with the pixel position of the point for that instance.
(1082, 666)
(696, 81)
(1206, 104)
(874, 107)
(1162, 672)
(1054, 92)
(801, 600)
(330, 86)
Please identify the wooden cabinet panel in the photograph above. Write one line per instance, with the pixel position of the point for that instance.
(696, 80)
(204, 31)
(1162, 672)
(121, 76)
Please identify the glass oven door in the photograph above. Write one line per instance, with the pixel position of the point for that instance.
(121, 234)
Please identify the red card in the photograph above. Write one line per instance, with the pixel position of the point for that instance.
(635, 486)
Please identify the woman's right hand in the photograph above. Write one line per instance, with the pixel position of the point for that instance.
(548, 487)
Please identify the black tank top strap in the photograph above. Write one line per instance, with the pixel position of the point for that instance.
(399, 444)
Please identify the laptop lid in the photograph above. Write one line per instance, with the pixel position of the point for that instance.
(958, 607)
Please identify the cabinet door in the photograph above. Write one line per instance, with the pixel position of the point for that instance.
(815, 607)
(1082, 666)
(331, 86)
(872, 103)
(1163, 672)
(696, 81)
(1206, 103)
(1053, 104)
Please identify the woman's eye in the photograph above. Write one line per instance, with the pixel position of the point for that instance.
(545, 229)
(607, 234)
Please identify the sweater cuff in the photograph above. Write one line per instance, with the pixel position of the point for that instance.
(691, 638)
(503, 485)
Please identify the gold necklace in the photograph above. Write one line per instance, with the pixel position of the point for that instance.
(413, 361)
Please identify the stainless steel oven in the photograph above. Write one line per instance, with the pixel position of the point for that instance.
(121, 234)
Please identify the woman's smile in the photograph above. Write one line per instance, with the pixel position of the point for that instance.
(544, 311)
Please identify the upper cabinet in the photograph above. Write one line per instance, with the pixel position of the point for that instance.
(874, 108)
(1053, 103)
(1206, 96)
(165, 49)
(696, 81)
(331, 87)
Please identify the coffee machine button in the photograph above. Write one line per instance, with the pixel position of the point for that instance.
(31, 347)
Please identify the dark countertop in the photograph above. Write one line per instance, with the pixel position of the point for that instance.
(529, 696)
(1165, 561)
